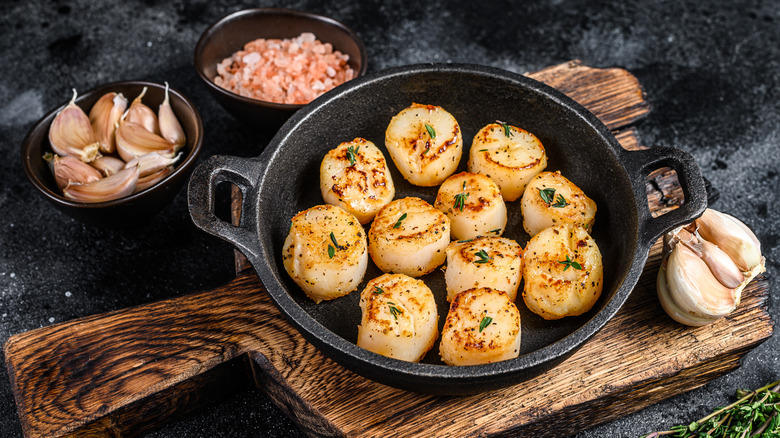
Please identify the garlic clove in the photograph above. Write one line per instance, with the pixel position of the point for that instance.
(109, 188)
(68, 170)
(153, 162)
(693, 287)
(142, 114)
(133, 140)
(70, 133)
(729, 234)
(170, 128)
(108, 165)
(671, 307)
(721, 265)
(103, 116)
(153, 178)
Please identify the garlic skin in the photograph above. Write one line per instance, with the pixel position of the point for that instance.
(112, 187)
(68, 170)
(104, 116)
(706, 266)
(143, 115)
(170, 128)
(133, 140)
(71, 135)
(108, 165)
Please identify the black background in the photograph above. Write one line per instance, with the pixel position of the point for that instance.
(710, 70)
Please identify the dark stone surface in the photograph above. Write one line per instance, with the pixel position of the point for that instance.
(710, 69)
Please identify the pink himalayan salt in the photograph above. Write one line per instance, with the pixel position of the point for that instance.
(292, 71)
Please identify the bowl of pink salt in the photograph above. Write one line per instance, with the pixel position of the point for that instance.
(264, 64)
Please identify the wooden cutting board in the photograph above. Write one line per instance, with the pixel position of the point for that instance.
(125, 372)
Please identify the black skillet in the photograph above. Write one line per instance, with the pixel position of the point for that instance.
(284, 180)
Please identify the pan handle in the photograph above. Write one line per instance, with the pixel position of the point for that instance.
(243, 173)
(639, 165)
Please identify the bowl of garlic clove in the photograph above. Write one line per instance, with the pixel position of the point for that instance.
(115, 155)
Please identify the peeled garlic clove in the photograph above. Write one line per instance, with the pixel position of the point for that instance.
(152, 179)
(142, 114)
(104, 116)
(108, 165)
(70, 133)
(170, 128)
(133, 140)
(68, 170)
(116, 186)
(729, 234)
(152, 162)
(721, 265)
(693, 287)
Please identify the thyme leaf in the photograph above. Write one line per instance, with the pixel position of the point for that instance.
(560, 202)
(483, 256)
(569, 262)
(484, 323)
(331, 251)
(431, 131)
(378, 290)
(548, 195)
(460, 200)
(400, 219)
(395, 311)
(352, 154)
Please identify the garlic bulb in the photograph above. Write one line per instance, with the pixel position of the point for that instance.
(706, 266)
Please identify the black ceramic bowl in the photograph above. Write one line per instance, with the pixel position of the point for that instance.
(232, 32)
(137, 207)
(283, 181)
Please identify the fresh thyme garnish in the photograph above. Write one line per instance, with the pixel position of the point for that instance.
(484, 323)
(398, 223)
(460, 200)
(755, 414)
(548, 195)
(497, 230)
(331, 251)
(507, 130)
(483, 256)
(378, 290)
(395, 311)
(560, 202)
(352, 154)
(430, 130)
(569, 262)
(333, 239)
(483, 150)
(427, 148)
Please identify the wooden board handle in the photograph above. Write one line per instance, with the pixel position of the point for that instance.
(69, 374)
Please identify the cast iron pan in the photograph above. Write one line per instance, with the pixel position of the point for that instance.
(285, 180)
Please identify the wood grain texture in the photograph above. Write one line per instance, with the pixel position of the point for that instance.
(123, 372)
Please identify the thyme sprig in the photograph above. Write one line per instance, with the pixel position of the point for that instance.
(460, 200)
(755, 414)
(352, 154)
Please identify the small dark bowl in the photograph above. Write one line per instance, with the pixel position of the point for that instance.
(137, 207)
(229, 35)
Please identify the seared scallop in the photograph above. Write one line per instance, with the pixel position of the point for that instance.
(325, 252)
(425, 144)
(510, 156)
(474, 204)
(399, 317)
(355, 177)
(482, 326)
(494, 262)
(562, 271)
(551, 199)
(409, 236)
